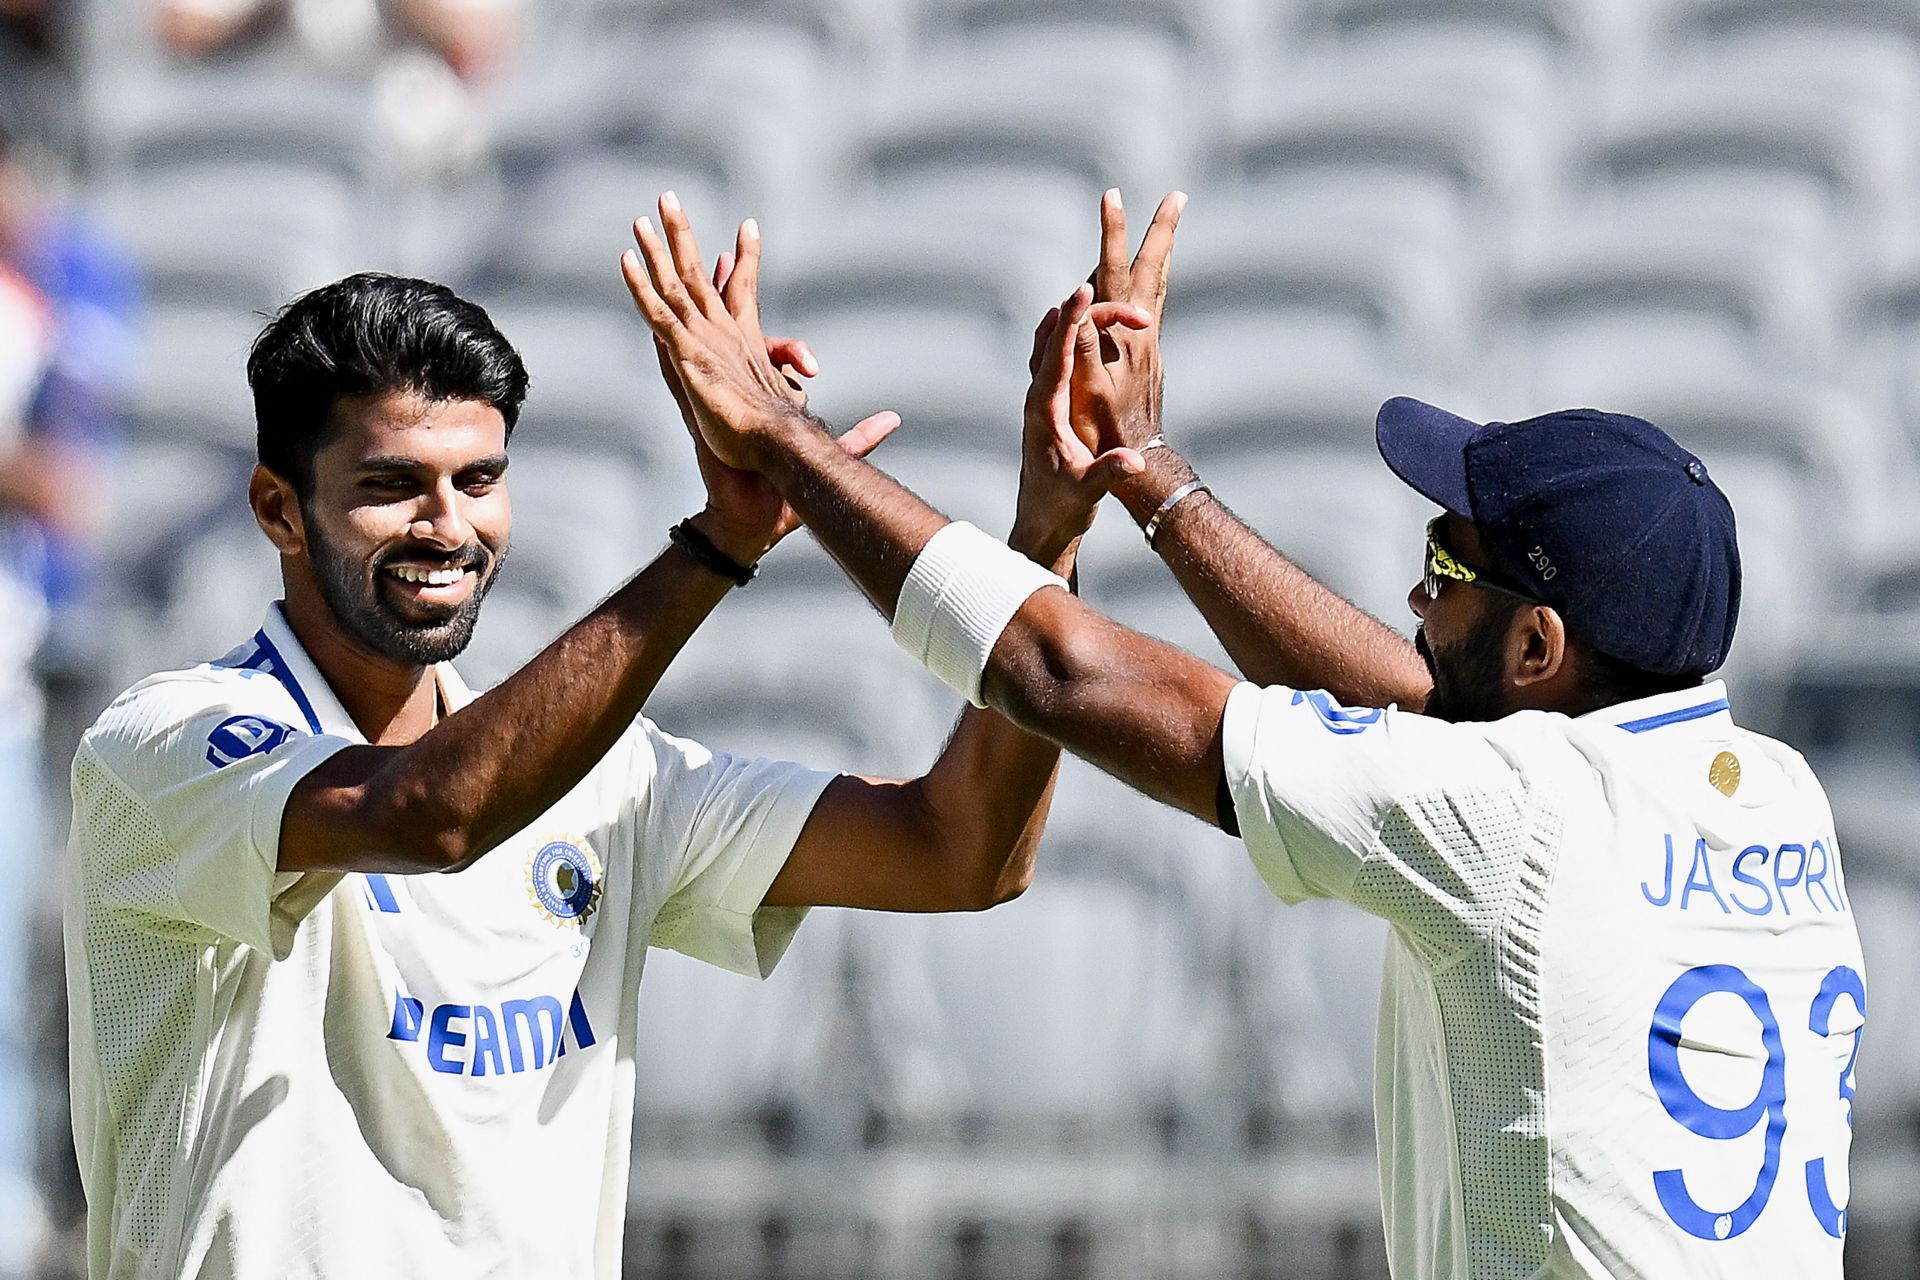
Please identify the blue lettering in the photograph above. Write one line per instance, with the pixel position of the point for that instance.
(486, 1042)
(1766, 895)
(1700, 876)
(1819, 877)
(537, 1015)
(406, 1018)
(521, 1035)
(441, 1035)
(1799, 873)
(1667, 895)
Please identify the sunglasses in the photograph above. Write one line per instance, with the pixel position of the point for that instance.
(1443, 566)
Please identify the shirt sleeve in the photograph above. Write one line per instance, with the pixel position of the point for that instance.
(730, 823)
(1421, 822)
(177, 809)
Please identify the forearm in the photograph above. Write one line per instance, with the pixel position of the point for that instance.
(993, 784)
(1142, 710)
(869, 522)
(497, 764)
(1277, 622)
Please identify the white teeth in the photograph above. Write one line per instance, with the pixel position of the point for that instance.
(430, 577)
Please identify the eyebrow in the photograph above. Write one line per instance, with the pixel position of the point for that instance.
(399, 462)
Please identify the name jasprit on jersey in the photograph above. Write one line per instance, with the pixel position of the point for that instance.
(1756, 879)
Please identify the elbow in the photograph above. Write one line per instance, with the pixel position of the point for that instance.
(1049, 675)
(1014, 881)
(415, 832)
(995, 875)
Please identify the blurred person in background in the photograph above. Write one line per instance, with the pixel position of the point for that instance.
(66, 311)
(32, 495)
(36, 75)
(474, 38)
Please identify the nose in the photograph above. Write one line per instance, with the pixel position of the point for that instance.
(1419, 601)
(440, 519)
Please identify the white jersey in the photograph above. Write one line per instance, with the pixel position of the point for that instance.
(1623, 994)
(352, 1076)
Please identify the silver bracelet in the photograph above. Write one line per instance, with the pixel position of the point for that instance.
(1173, 500)
(1156, 441)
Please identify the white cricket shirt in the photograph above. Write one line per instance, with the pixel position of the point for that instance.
(353, 1076)
(1623, 993)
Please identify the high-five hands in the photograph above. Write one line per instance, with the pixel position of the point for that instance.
(1117, 379)
(731, 383)
(1062, 477)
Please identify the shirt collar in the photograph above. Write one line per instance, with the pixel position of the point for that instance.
(1704, 707)
(279, 653)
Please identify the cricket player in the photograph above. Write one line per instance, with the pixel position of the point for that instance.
(353, 954)
(1624, 994)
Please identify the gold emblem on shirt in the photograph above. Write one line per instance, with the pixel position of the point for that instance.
(1724, 773)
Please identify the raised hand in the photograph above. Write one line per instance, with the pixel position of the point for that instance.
(1062, 478)
(718, 355)
(1121, 409)
(713, 341)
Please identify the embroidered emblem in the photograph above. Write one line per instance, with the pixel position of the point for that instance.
(563, 881)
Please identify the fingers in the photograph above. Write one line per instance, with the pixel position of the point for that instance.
(1130, 315)
(866, 434)
(686, 253)
(1041, 333)
(743, 285)
(659, 315)
(794, 353)
(722, 268)
(662, 281)
(1151, 264)
(1087, 365)
(1113, 466)
(1110, 278)
(1051, 378)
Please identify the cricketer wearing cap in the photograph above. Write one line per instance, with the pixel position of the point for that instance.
(1624, 994)
(293, 1052)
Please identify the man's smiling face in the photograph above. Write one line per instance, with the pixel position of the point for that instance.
(407, 521)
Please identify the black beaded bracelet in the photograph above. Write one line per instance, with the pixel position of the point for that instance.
(709, 557)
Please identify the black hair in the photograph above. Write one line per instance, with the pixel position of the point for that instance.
(371, 334)
(1607, 680)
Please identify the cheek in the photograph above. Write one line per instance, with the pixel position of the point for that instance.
(491, 518)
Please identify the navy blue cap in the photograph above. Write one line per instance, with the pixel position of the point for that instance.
(1600, 515)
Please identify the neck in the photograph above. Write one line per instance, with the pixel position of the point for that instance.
(391, 703)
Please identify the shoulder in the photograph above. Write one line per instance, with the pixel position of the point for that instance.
(208, 710)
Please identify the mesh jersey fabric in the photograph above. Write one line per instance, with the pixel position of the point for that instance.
(353, 1075)
(1568, 1017)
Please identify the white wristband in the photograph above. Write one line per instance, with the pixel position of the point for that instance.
(963, 590)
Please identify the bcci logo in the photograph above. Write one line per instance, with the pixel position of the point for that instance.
(563, 879)
(238, 737)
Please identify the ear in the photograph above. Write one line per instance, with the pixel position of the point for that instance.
(276, 506)
(1536, 646)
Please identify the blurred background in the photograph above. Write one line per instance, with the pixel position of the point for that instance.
(1703, 211)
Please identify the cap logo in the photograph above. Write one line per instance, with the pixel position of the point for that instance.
(1542, 565)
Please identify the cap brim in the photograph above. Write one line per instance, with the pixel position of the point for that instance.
(1427, 448)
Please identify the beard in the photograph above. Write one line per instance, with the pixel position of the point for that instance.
(1468, 677)
(355, 598)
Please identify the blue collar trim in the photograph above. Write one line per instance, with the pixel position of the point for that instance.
(1666, 718)
(267, 658)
